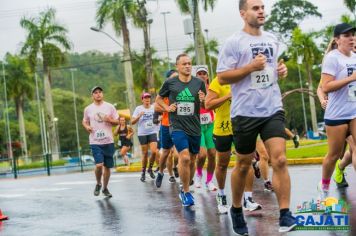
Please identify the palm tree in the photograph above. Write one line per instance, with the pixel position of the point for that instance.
(212, 51)
(140, 71)
(141, 20)
(192, 7)
(303, 45)
(19, 86)
(46, 38)
(351, 5)
(116, 12)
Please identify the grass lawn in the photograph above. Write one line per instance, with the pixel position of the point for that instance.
(304, 142)
(40, 164)
(311, 151)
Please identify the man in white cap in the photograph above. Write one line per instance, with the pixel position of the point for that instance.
(99, 117)
(207, 146)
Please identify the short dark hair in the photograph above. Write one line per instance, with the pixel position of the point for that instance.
(181, 55)
(242, 4)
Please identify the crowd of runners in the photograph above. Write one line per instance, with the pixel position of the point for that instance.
(195, 120)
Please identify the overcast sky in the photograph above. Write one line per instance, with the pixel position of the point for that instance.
(79, 15)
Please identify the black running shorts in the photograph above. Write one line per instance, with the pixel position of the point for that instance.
(245, 130)
(223, 143)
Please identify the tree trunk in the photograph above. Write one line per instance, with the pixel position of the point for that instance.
(129, 77)
(198, 35)
(22, 129)
(312, 100)
(53, 136)
(148, 61)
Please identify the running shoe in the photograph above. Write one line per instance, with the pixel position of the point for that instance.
(238, 223)
(268, 186)
(339, 176)
(156, 170)
(250, 205)
(190, 184)
(172, 180)
(256, 169)
(106, 192)
(159, 180)
(323, 193)
(211, 186)
(150, 172)
(97, 190)
(143, 177)
(187, 199)
(198, 181)
(287, 222)
(296, 141)
(222, 204)
(175, 171)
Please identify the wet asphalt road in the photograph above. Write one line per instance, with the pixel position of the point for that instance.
(65, 205)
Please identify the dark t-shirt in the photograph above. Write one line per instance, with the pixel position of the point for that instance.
(185, 95)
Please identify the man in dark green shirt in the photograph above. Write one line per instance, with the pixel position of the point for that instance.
(186, 94)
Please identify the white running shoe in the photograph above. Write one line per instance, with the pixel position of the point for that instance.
(322, 192)
(250, 205)
(211, 186)
(223, 208)
(198, 180)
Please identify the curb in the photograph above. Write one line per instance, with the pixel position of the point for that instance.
(295, 161)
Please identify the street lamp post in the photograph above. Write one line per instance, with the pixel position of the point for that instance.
(10, 155)
(55, 121)
(165, 30)
(210, 64)
(299, 62)
(75, 115)
(40, 116)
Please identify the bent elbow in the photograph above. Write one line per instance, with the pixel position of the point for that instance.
(208, 106)
(222, 80)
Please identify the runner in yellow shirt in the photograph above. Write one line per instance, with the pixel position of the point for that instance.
(219, 98)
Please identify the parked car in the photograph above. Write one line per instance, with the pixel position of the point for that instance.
(87, 159)
(321, 126)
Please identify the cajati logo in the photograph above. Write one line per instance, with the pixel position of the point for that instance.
(328, 214)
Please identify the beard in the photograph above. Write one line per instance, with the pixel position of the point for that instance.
(255, 23)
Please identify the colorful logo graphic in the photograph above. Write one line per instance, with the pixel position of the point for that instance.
(185, 96)
(328, 214)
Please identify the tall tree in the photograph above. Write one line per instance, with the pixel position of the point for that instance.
(192, 7)
(286, 15)
(19, 85)
(351, 5)
(303, 45)
(211, 49)
(140, 71)
(143, 22)
(116, 12)
(46, 38)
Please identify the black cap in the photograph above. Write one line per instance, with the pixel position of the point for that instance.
(343, 28)
(95, 88)
(169, 73)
